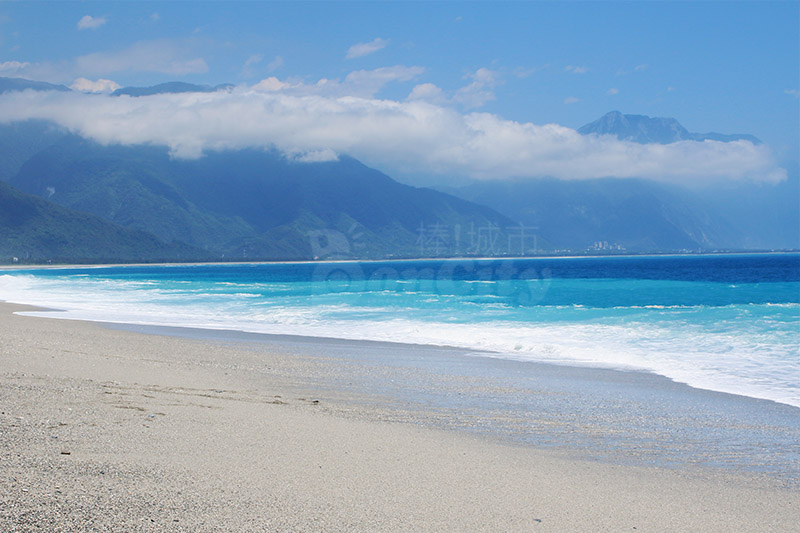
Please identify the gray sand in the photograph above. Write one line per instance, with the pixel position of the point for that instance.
(104, 429)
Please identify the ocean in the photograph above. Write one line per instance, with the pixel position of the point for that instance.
(727, 323)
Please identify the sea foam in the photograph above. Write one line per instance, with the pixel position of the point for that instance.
(740, 338)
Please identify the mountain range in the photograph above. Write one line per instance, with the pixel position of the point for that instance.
(245, 204)
(71, 199)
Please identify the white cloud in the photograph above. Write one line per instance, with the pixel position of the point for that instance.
(369, 82)
(89, 22)
(790, 92)
(527, 72)
(638, 68)
(571, 100)
(34, 71)
(396, 137)
(427, 92)
(13, 66)
(99, 86)
(275, 64)
(480, 91)
(271, 84)
(164, 56)
(253, 59)
(575, 69)
(155, 17)
(361, 83)
(485, 76)
(362, 49)
(316, 156)
(612, 91)
(247, 69)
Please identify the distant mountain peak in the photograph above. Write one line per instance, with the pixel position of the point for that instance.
(644, 129)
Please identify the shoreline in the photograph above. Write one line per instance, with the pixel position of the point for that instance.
(239, 335)
(186, 433)
(69, 266)
(471, 352)
(475, 380)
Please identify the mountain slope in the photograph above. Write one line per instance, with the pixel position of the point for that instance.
(766, 215)
(21, 84)
(125, 187)
(22, 140)
(255, 203)
(643, 129)
(35, 230)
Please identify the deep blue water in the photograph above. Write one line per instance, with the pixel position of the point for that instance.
(723, 322)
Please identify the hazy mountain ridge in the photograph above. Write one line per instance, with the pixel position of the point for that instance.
(633, 215)
(21, 84)
(171, 88)
(640, 215)
(643, 129)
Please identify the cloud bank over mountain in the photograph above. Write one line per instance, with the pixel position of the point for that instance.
(313, 122)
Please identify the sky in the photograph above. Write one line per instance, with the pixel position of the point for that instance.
(424, 90)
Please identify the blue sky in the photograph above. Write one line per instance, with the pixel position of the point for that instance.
(731, 67)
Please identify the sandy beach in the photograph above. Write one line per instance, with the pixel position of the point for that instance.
(103, 429)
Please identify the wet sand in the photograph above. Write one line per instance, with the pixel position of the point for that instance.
(108, 429)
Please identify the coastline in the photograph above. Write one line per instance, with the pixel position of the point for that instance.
(68, 266)
(181, 433)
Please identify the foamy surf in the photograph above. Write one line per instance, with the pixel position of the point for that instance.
(740, 338)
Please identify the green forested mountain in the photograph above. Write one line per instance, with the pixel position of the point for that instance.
(256, 204)
(19, 141)
(35, 230)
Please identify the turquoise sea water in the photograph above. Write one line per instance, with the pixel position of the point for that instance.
(728, 323)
